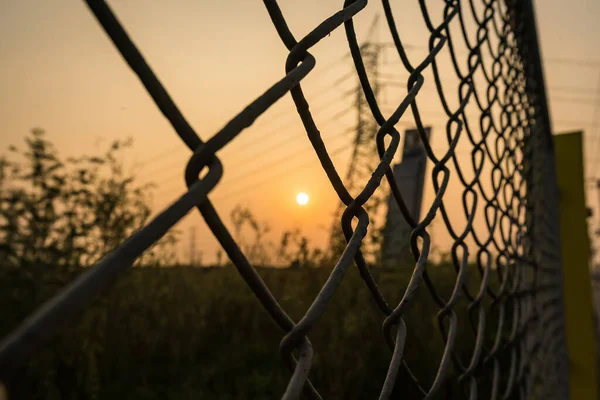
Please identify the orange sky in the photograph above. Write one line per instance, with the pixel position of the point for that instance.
(59, 71)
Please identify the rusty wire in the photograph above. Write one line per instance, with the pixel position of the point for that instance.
(510, 142)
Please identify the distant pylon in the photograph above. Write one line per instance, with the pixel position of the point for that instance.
(364, 160)
(193, 246)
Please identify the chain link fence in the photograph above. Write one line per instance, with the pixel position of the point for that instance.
(508, 182)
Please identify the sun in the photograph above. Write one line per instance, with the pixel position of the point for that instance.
(302, 198)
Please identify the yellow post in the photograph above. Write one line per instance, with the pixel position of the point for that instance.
(579, 312)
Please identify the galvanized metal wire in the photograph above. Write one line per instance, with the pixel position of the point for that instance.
(510, 184)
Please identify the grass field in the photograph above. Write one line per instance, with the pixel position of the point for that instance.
(199, 333)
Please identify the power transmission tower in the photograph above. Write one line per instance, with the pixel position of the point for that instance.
(3, 166)
(364, 161)
(192, 246)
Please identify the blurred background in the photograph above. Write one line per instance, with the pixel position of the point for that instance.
(66, 93)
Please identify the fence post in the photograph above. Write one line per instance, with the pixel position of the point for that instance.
(574, 241)
(544, 224)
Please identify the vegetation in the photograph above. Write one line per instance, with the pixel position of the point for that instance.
(183, 332)
(179, 333)
(68, 213)
(293, 249)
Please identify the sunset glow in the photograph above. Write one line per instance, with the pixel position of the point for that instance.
(302, 198)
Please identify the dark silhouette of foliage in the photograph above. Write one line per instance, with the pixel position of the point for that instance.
(67, 213)
(199, 333)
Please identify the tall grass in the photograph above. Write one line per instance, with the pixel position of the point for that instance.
(183, 333)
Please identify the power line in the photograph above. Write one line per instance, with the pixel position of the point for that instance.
(284, 142)
(284, 158)
(249, 188)
(269, 178)
(327, 102)
(341, 80)
(572, 100)
(270, 133)
(574, 61)
(571, 89)
(281, 160)
(256, 141)
(319, 93)
(178, 148)
(572, 121)
(318, 112)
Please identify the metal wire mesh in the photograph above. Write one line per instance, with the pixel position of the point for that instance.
(511, 185)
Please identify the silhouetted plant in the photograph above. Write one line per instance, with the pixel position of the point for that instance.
(68, 213)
